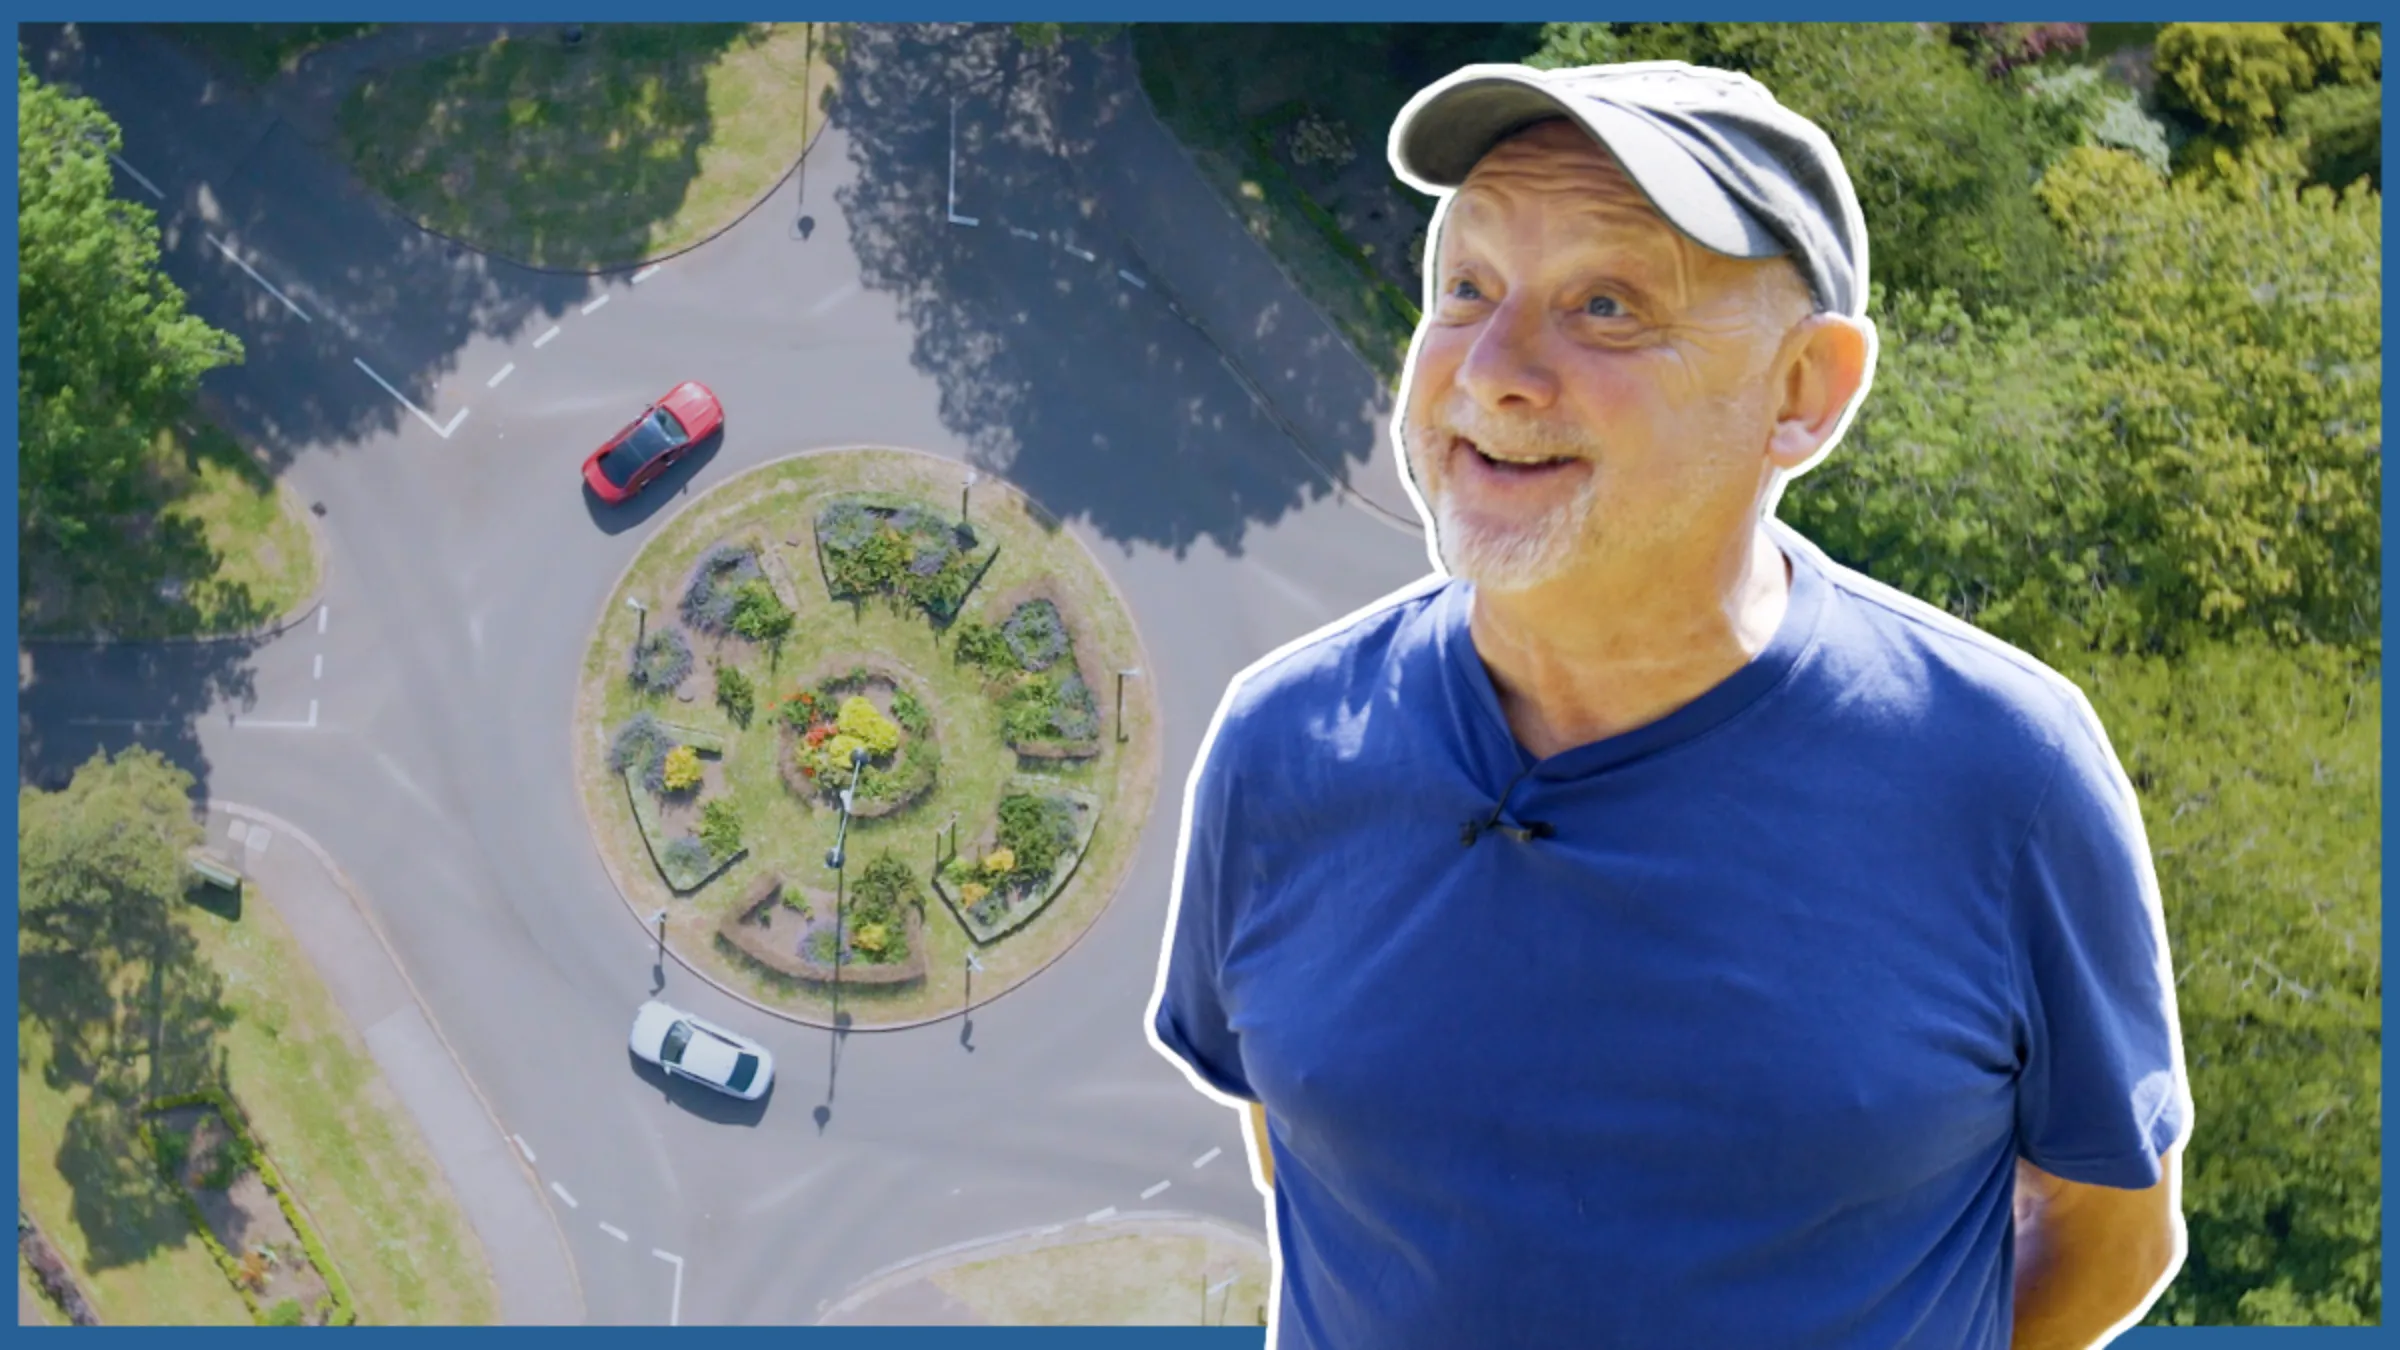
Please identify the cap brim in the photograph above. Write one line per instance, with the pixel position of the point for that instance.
(1446, 129)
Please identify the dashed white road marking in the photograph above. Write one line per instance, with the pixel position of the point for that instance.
(603, 299)
(324, 612)
(137, 723)
(227, 250)
(544, 339)
(422, 416)
(1206, 1158)
(1153, 1191)
(1024, 233)
(675, 1308)
(523, 1147)
(318, 672)
(505, 372)
(1084, 254)
(1098, 1214)
(838, 295)
(645, 274)
(562, 1194)
(1137, 281)
(137, 176)
(613, 1231)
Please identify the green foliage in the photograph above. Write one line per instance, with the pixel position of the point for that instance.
(1027, 710)
(1939, 155)
(719, 581)
(876, 914)
(661, 660)
(685, 861)
(103, 858)
(860, 721)
(107, 356)
(682, 769)
(736, 695)
(173, 1149)
(831, 760)
(1043, 36)
(908, 552)
(758, 615)
(910, 713)
(1037, 830)
(2261, 784)
(2342, 126)
(982, 646)
(1036, 635)
(2082, 105)
(2240, 76)
(642, 745)
(721, 827)
(285, 1313)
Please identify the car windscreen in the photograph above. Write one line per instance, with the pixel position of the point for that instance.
(651, 437)
(678, 1036)
(744, 1069)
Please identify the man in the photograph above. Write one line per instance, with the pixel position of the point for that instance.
(1650, 933)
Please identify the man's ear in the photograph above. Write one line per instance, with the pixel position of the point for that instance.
(1825, 365)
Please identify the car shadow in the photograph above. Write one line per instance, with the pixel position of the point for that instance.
(660, 496)
(711, 1106)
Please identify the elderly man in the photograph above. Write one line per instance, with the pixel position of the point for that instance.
(1646, 932)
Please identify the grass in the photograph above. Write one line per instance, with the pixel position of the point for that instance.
(260, 51)
(224, 550)
(777, 505)
(1135, 1279)
(344, 1143)
(639, 141)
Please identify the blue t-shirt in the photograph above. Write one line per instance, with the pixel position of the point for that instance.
(1742, 1052)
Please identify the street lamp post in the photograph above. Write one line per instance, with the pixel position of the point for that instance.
(659, 921)
(641, 622)
(833, 859)
(972, 479)
(1121, 678)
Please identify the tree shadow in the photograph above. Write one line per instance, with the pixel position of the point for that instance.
(1085, 388)
(72, 699)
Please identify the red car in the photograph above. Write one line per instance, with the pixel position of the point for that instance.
(663, 434)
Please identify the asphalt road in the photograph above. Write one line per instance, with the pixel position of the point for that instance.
(420, 731)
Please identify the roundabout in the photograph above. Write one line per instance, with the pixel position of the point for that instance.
(860, 647)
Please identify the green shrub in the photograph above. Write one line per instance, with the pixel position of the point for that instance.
(661, 661)
(736, 695)
(285, 1313)
(758, 615)
(682, 769)
(1037, 830)
(173, 1148)
(686, 859)
(721, 828)
(860, 720)
(910, 713)
(1036, 636)
(982, 646)
(717, 583)
(1028, 710)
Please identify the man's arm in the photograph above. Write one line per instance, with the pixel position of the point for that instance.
(2092, 1259)
(1266, 1157)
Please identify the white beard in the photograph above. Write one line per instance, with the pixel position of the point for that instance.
(1518, 556)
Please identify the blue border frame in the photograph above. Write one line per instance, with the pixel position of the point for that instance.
(1097, 10)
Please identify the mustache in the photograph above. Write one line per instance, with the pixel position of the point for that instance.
(1513, 434)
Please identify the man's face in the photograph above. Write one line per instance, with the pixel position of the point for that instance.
(1573, 326)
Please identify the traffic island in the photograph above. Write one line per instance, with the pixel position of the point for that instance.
(876, 650)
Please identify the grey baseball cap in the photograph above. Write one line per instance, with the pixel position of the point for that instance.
(1716, 154)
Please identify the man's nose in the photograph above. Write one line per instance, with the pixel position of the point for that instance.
(1509, 364)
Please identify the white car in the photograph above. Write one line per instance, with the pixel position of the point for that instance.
(691, 1047)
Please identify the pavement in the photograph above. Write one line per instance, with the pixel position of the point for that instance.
(488, 1178)
(430, 405)
(907, 1295)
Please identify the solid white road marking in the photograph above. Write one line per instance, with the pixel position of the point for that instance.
(263, 725)
(438, 428)
(1137, 281)
(135, 722)
(562, 1194)
(324, 612)
(1087, 257)
(1206, 1158)
(1153, 1191)
(494, 382)
(955, 217)
(645, 274)
(840, 293)
(227, 250)
(137, 177)
(604, 297)
(455, 419)
(523, 1147)
(319, 672)
(613, 1231)
(674, 1309)
(1098, 1214)
(545, 338)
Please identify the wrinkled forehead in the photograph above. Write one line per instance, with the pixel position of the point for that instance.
(1555, 166)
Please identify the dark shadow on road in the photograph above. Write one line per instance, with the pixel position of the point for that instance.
(662, 494)
(74, 703)
(711, 1106)
(1083, 388)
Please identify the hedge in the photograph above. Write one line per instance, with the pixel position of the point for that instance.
(341, 1311)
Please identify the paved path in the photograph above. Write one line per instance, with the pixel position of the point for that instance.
(487, 1177)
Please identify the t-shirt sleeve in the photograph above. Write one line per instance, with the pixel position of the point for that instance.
(2101, 1092)
(1191, 1019)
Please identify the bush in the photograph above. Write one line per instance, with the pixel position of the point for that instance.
(758, 615)
(1074, 713)
(682, 769)
(805, 708)
(832, 760)
(1319, 139)
(981, 645)
(661, 661)
(721, 828)
(642, 743)
(870, 728)
(1027, 711)
(2002, 47)
(910, 713)
(286, 1313)
(1036, 830)
(716, 586)
(1036, 637)
(173, 1149)
(687, 857)
(736, 695)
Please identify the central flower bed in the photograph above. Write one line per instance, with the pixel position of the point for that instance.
(821, 622)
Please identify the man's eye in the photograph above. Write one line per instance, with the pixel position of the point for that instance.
(1604, 307)
(1463, 289)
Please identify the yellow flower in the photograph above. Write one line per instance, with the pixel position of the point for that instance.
(973, 891)
(1000, 860)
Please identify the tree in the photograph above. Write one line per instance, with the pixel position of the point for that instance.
(2259, 771)
(107, 355)
(2236, 83)
(1939, 156)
